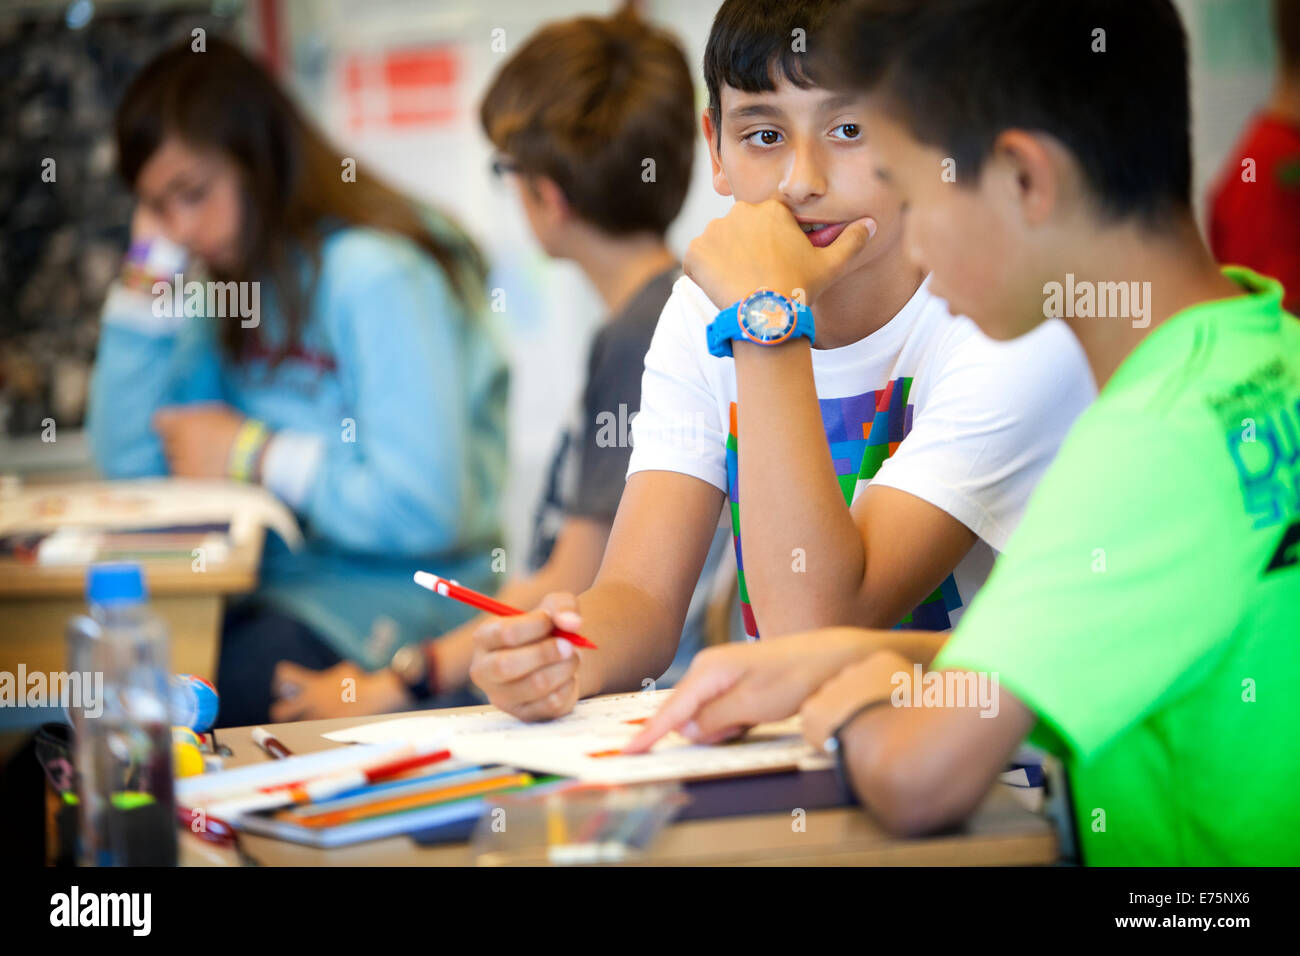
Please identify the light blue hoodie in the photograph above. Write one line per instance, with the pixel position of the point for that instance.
(390, 434)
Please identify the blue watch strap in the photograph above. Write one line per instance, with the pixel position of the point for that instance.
(726, 327)
(803, 322)
(723, 329)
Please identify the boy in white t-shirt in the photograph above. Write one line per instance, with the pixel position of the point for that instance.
(926, 405)
(881, 469)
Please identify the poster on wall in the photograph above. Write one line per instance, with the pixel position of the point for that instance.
(409, 89)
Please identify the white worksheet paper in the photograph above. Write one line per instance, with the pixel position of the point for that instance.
(565, 746)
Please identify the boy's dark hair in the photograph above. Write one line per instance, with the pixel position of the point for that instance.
(752, 40)
(584, 102)
(959, 72)
(1286, 20)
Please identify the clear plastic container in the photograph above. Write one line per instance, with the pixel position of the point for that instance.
(568, 822)
(122, 739)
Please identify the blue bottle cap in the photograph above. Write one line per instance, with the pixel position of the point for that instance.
(121, 583)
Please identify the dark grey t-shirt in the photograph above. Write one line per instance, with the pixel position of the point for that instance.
(589, 467)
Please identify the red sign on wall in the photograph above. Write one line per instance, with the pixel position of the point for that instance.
(401, 88)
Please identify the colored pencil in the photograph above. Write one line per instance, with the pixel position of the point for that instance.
(415, 800)
(452, 589)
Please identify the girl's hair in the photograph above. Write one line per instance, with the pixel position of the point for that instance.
(294, 192)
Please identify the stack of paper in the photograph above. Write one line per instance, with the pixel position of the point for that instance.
(80, 522)
(585, 743)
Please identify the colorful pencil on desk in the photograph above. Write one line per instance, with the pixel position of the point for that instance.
(329, 785)
(415, 800)
(451, 589)
(364, 796)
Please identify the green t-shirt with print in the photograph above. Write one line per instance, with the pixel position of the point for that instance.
(1148, 606)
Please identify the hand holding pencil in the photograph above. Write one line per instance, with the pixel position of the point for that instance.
(527, 663)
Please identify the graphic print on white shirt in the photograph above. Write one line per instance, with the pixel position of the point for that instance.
(926, 404)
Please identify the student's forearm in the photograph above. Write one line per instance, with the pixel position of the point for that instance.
(918, 646)
(859, 643)
(636, 637)
(921, 768)
(127, 386)
(804, 556)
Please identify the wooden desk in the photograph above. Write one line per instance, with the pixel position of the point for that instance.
(37, 601)
(1002, 832)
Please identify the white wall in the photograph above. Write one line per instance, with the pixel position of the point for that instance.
(1232, 54)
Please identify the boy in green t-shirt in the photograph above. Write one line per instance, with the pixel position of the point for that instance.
(1144, 622)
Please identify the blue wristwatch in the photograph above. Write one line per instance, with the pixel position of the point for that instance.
(764, 318)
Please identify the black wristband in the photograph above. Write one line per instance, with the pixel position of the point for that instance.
(431, 675)
(841, 771)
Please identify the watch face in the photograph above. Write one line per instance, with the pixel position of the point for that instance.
(409, 664)
(766, 318)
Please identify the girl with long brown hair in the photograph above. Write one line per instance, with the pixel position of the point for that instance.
(325, 337)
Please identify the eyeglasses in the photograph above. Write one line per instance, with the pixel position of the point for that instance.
(502, 165)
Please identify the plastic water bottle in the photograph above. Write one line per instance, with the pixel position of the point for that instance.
(123, 743)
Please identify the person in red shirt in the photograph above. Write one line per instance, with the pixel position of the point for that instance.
(1255, 203)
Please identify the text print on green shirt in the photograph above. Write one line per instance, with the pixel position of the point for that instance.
(1266, 450)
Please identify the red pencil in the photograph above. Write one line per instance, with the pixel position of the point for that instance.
(449, 588)
(324, 787)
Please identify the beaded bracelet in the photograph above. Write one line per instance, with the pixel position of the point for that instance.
(246, 450)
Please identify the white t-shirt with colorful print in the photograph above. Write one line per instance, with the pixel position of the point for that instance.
(926, 404)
